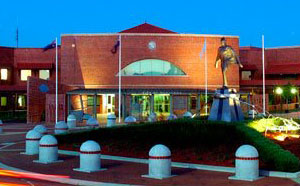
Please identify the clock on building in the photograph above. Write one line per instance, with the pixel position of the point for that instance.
(152, 45)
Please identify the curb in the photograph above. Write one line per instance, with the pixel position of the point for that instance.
(191, 165)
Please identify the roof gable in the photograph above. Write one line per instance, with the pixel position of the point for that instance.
(147, 28)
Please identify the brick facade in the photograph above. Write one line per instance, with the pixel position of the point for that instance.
(87, 61)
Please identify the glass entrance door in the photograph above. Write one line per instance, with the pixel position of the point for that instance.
(140, 106)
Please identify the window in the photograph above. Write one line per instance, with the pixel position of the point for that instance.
(25, 74)
(246, 75)
(152, 67)
(90, 100)
(44, 74)
(21, 101)
(4, 73)
(3, 101)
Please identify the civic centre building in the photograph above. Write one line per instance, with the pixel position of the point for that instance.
(161, 71)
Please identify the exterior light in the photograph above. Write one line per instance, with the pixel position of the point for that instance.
(278, 90)
(294, 90)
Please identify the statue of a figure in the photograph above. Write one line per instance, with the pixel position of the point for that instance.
(227, 56)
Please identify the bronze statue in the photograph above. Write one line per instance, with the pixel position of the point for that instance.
(227, 56)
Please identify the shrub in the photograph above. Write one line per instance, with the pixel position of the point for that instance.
(188, 133)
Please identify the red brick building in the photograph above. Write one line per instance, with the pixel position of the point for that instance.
(162, 71)
(281, 68)
(16, 64)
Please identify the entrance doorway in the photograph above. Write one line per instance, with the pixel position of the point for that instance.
(140, 106)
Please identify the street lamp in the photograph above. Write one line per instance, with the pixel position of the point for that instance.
(278, 90)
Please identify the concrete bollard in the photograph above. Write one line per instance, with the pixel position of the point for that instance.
(172, 117)
(60, 127)
(111, 120)
(159, 162)
(246, 164)
(152, 117)
(130, 120)
(48, 150)
(90, 157)
(71, 121)
(32, 142)
(41, 129)
(1, 126)
(187, 114)
(92, 122)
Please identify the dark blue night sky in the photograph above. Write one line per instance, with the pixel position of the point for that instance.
(39, 22)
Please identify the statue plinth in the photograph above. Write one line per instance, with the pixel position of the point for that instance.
(226, 106)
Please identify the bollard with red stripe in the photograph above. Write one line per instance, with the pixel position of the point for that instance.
(159, 162)
(1, 125)
(71, 121)
(32, 142)
(48, 150)
(92, 122)
(130, 120)
(246, 164)
(172, 117)
(90, 157)
(60, 127)
(41, 129)
(111, 120)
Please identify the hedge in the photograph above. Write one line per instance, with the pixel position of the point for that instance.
(184, 133)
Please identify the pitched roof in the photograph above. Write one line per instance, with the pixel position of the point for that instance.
(147, 28)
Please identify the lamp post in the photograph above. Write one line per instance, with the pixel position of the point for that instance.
(295, 91)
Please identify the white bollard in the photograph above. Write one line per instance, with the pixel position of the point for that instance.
(111, 120)
(90, 157)
(41, 129)
(172, 117)
(187, 114)
(48, 150)
(246, 164)
(159, 162)
(130, 120)
(152, 117)
(1, 125)
(92, 122)
(60, 127)
(71, 121)
(32, 142)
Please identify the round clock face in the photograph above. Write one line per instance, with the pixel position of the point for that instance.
(151, 45)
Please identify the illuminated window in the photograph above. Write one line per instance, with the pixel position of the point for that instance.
(152, 67)
(4, 73)
(3, 101)
(246, 75)
(21, 101)
(44, 74)
(25, 74)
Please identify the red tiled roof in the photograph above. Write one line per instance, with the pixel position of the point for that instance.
(147, 28)
(35, 65)
(283, 69)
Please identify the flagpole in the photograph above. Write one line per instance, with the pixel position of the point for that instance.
(120, 75)
(206, 86)
(56, 82)
(263, 68)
